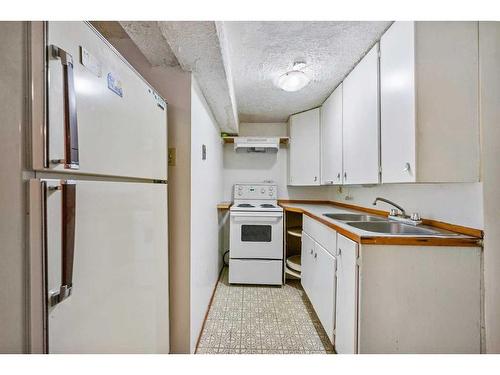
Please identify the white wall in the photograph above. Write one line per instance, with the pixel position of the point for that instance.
(489, 60)
(255, 167)
(206, 192)
(460, 204)
(13, 291)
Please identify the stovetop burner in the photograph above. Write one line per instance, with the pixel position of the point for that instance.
(245, 205)
(256, 199)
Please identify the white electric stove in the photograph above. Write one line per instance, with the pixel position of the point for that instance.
(256, 235)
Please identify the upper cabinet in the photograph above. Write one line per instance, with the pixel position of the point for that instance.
(331, 139)
(406, 113)
(304, 148)
(361, 121)
(429, 102)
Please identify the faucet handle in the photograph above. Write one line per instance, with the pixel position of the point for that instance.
(415, 216)
(393, 212)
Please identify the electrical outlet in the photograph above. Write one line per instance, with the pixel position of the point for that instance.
(171, 157)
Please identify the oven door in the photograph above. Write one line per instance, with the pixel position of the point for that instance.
(256, 235)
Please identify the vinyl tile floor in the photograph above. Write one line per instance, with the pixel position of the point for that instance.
(251, 319)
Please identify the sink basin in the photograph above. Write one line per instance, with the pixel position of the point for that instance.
(389, 227)
(354, 217)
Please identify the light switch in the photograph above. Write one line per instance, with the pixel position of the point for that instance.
(171, 157)
(203, 152)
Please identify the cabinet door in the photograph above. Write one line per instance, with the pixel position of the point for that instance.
(307, 274)
(331, 139)
(304, 147)
(346, 320)
(397, 103)
(361, 122)
(324, 288)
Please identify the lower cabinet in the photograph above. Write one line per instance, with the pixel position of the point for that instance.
(319, 282)
(418, 299)
(346, 316)
(307, 265)
(392, 298)
(324, 287)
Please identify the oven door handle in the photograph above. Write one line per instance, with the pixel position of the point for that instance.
(257, 220)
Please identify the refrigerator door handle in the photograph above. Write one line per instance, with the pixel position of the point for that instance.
(68, 190)
(71, 160)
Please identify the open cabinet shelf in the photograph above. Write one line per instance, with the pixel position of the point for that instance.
(295, 231)
(293, 242)
(292, 273)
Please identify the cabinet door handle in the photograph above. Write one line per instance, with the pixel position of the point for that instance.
(340, 251)
(338, 176)
(345, 175)
(407, 167)
(315, 255)
(311, 251)
(71, 157)
(315, 178)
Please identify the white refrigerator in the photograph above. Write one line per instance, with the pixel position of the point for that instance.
(97, 198)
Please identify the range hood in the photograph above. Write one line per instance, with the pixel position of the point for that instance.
(256, 144)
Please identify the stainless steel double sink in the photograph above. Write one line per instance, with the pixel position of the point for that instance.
(381, 225)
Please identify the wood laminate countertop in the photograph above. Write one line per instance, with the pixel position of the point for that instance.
(445, 237)
(224, 205)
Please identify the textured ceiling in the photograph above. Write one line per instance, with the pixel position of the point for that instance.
(196, 47)
(237, 63)
(110, 29)
(259, 52)
(148, 37)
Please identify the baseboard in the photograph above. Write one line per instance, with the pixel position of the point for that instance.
(208, 309)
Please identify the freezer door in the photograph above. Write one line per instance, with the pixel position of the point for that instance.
(107, 266)
(103, 118)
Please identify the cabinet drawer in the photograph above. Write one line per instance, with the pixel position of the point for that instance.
(322, 234)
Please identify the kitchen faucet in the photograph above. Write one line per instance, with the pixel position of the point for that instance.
(403, 212)
(414, 219)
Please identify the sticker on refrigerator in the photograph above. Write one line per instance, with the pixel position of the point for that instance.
(159, 100)
(115, 85)
(90, 62)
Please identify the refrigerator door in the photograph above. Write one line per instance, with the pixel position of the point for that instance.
(103, 118)
(107, 266)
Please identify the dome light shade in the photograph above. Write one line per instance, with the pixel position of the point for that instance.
(293, 80)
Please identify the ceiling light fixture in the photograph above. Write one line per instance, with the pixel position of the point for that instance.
(295, 79)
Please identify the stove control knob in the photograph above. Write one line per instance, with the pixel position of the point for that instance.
(270, 193)
(262, 190)
(240, 193)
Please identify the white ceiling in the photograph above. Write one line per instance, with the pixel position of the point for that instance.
(237, 63)
(259, 52)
